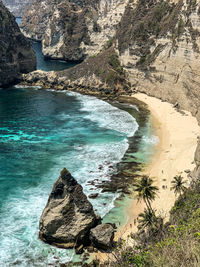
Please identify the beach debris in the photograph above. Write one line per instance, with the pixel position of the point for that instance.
(68, 216)
(102, 236)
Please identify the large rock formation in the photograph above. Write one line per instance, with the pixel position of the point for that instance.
(17, 7)
(72, 30)
(68, 215)
(16, 53)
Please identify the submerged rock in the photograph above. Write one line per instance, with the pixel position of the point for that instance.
(68, 215)
(102, 236)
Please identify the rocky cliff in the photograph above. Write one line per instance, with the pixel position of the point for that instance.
(157, 43)
(71, 29)
(159, 50)
(16, 53)
(17, 7)
(98, 75)
(68, 216)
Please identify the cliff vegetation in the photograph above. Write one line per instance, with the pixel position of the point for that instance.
(175, 243)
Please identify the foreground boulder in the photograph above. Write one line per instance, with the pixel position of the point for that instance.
(68, 215)
(102, 236)
(16, 53)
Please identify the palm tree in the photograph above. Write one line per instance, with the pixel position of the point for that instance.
(146, 191)
(147, 219)
(178, 185)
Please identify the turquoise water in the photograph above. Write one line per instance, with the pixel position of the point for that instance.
(47, 64)
(40, 133)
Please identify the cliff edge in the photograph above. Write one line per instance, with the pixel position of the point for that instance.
(16, 53)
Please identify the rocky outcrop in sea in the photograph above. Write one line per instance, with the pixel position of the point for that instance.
(102, 236)
(16, 53)
(68, 216)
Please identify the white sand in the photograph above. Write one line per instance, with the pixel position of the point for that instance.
(173, 155)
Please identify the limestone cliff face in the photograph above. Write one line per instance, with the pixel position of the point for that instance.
(158, 44)
(162, 57)
(17, 7)
(16, 53)
(34, 22)
(70, 29)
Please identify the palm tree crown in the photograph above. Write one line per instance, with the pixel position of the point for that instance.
(147, 219)
(145, 190)
(178, 185)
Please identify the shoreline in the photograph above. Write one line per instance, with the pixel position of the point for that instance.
(130, 165)
(174, 154)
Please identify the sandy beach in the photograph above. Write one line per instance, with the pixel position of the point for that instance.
(174, 154)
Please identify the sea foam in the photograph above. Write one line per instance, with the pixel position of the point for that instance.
(107, 115)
